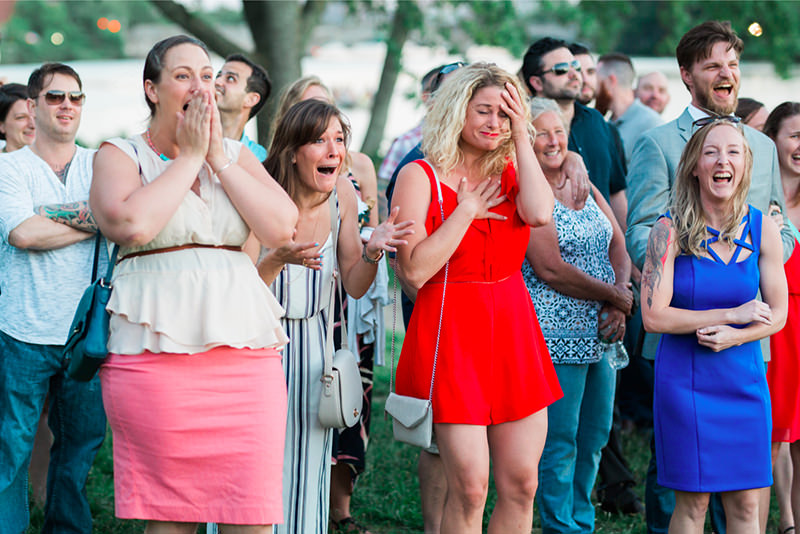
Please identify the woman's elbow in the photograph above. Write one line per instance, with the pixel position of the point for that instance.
(651, 323)
(537, 218)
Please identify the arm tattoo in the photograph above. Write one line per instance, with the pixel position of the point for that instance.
(657, 247)
(74, 214)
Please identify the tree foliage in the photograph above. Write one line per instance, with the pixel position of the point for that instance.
(27, 35)
(648, 28)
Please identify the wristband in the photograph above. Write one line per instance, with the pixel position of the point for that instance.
(230, 162)
(368, 259)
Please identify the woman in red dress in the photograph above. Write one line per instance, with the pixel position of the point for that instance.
(783, 372)
(494, 377)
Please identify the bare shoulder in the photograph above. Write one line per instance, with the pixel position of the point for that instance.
(770, 236)
(362, 167)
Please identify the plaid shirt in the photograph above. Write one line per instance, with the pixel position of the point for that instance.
(400, 147)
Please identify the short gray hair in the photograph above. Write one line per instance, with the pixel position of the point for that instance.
(540, 104)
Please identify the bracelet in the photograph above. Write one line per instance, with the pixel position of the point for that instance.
(368, 259)
(230, 162)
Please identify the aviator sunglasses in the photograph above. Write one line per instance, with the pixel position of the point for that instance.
(56, 97)
(560, 69)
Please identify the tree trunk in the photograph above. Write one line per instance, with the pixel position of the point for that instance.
(406, 17)
(275, 27)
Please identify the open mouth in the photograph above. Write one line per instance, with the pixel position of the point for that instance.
(722, 177)
(327, 170)
(723, 89)
(796, 158)
(186, 106)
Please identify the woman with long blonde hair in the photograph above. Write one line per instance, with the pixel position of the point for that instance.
(474, 199)
(706, 261)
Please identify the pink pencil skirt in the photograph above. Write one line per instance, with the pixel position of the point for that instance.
(197, 437)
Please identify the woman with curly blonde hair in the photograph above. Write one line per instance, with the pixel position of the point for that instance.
(473, 201)
(706, 261)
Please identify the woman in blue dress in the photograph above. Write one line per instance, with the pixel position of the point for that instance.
(706, 261)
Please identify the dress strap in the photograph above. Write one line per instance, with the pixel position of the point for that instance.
(713, 239)
(432, 176)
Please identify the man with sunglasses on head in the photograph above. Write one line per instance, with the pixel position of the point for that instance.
(550, 70)
(47, 252)
(242, 88)
(708, 58)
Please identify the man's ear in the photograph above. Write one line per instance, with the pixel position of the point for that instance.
(251, 100)
(687, 78)
(536, 83)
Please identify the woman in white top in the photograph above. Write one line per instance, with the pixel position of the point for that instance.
(193, 386)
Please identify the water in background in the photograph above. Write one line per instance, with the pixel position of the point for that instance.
(115, 102)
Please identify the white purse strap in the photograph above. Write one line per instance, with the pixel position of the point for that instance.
(328, 363)
(444, 288)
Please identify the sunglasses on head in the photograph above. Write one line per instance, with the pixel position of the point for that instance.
(560, 69)
(56, 97)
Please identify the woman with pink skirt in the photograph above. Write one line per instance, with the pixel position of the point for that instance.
(193, 386)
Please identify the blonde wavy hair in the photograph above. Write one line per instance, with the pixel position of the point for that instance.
(441, 131)
(685, 207)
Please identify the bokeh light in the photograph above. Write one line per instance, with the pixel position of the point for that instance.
(31, 38)
(102, 23)
(114, 26)
(755, 29)
(57, 38)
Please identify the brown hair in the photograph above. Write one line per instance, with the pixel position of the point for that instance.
(302, 123)
(696, 44)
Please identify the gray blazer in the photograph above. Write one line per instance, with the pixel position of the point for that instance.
(652, 171)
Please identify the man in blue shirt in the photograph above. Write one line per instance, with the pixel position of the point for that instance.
(242, 88)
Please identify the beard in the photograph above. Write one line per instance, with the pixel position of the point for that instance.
(603, 101)
(706, 100)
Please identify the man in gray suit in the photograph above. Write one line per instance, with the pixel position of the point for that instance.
(708, 57)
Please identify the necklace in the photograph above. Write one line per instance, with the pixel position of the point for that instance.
(150, 142)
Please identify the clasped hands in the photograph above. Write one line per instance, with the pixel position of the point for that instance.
(199, 130)
(722, 336)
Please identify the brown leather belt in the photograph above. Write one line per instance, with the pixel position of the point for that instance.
(178, 247)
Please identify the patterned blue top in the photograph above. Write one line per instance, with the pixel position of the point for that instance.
(569, 324)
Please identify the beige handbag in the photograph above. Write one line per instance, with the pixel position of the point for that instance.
(341, 400)
(412, 418)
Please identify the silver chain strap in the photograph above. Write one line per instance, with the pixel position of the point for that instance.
(441, 310)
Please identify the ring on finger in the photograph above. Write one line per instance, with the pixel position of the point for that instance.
(304, 263)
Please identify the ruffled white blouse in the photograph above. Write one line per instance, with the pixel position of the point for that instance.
(195, 299)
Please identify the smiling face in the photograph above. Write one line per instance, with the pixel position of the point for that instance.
(721, 165)
(319, 162)
(653, 91)
(58, 122)
(550, 143)
(18, 127)
(485, 124)
(186, 70)
(714, 81)
(788, 143)
(231, 86)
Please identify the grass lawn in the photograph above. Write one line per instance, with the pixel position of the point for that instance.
(387, 494)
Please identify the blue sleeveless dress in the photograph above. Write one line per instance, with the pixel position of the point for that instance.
(712, 409)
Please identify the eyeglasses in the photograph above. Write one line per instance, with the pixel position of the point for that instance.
(704, 121)
(56, 97)
(560, 69)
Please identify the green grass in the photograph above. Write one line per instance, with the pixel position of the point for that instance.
(387, 495)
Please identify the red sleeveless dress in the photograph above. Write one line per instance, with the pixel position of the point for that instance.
(783, 371)
(493, 363)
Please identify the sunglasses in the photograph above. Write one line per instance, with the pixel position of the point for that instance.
(56, 97)
(704, 121)
(560, 69)
(444, 71)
